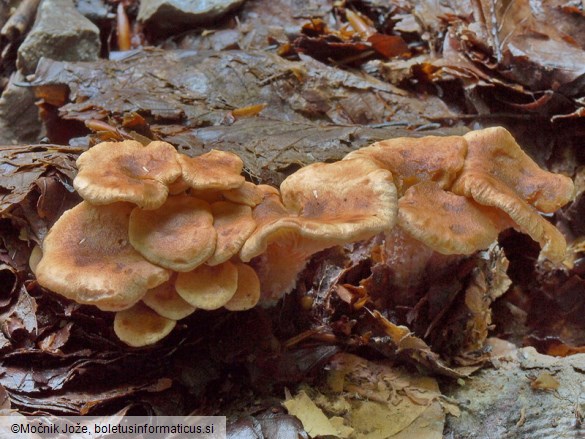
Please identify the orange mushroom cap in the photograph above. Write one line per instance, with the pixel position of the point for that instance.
(413, 160)
(216, 170)
(447, 223)
(165, 301)
(248, 291)
(499, 174)
(87, 257)
(208, 287)
(127, 171)
(179, 235)
(322, 205)
(233, 224)
(140, 326)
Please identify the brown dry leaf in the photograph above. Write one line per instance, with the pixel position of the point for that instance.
(315, 422)
(371, 401)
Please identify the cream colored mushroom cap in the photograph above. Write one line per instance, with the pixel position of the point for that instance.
(208, 287)
(140, 326)
(179, 235)
(127, 171)
(87, 257)
(217, 170)
(447, 223)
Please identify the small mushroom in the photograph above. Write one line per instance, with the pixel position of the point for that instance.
(233, 224)
(165, 300)
(208, 287)
(445, 222)
(248, 194)
(179, 235)
(35, 257)
(322, 205)
(140, 326)
(413, 160)
(216, 170)
(127, 171)
(248, 292)
(87, 257)
(497, 173)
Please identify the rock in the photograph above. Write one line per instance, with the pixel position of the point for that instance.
(172, 15)
(19, 116)
(60, 33)
(507, 402)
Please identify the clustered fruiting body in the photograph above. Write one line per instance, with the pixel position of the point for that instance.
(160, 234)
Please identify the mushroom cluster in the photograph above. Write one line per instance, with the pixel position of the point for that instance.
(160, 234)
(155, 238)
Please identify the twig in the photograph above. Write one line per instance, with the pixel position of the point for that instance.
(20, 21)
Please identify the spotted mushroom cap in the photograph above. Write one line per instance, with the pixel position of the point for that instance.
(445, 222)
(497, 173)
(179, 235)
(87, 257)
(127, 171)
(322, 205)
(413, 160)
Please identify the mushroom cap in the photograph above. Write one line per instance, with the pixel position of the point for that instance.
(216, 170)
(322, 205)
(248, 292)
(248, 194)
(127, 171)
(413, 160)
(499, 174)
(233, 224)
(494, 151)
(87, 257)
(179, 235)
(35, 257)
(141, 326)
(165, 301)
(447, 223)
(488, 191)
(208, 287)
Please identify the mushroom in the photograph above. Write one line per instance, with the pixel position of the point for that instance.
(233, 224)
(140, 326)
(497, 173)
(127, 171)
(248, 291)
(208, 287)
(322, 205)
(445, 222)
(215, 170)
(413, 160)
(87, 257)
(248, 194)
(35, 257)
(166, 302)
(179, 235)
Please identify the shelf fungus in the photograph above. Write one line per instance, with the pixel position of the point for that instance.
(160, 235)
